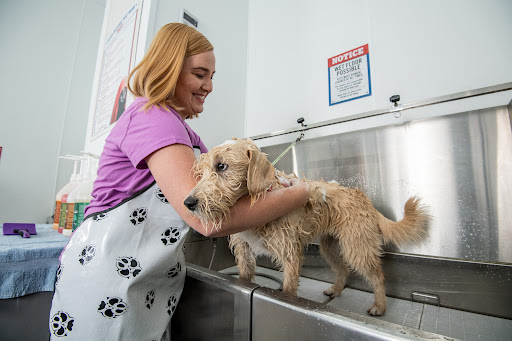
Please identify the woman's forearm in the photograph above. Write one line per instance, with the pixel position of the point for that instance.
(243, 216)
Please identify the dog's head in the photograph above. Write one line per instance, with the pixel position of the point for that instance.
(225, 174)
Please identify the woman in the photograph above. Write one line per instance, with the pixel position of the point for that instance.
(122, 273)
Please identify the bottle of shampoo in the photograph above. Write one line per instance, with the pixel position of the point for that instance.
(65, 212)
(81, 196)
(65, 190)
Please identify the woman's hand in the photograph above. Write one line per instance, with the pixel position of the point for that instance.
(291, 182)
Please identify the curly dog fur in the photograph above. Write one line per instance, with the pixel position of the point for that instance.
(350, 230)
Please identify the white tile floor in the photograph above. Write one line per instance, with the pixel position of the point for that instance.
(448, 322)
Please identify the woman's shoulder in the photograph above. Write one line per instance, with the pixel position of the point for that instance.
(136, 114)
(140, 126)
(156, 121)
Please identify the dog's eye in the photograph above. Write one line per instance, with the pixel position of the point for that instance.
(221, 167)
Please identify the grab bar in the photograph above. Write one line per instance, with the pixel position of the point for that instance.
(423, 103)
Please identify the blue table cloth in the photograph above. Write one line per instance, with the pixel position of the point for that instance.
(29, 265)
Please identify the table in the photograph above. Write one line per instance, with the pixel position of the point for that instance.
(29, 265)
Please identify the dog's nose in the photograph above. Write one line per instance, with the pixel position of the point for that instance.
(191, 203)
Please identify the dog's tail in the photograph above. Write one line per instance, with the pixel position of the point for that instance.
(411, 229)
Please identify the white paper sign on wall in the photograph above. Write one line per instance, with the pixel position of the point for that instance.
(116, 64)
(349, 75)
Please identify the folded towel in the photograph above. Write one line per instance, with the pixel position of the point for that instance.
(29, 265)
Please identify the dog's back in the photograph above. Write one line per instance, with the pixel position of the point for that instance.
(336, 210)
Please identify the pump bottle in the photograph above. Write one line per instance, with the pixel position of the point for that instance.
(66, 212)
(73, 182)
(81, 196)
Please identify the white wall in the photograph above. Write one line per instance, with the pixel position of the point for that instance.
(224, 23)
(47, 63)
(418, 49)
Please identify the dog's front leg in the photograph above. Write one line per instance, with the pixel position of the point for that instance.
(291, 272)
(245, 259)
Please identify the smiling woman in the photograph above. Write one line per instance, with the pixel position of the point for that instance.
(194, 84)
(157, 75)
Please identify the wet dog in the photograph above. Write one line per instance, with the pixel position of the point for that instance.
(350, 230)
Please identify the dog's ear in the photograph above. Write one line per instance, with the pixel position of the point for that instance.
(260, 174)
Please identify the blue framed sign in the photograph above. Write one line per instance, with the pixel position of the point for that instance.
(349, 75)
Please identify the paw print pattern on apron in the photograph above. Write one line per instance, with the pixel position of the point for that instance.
(150, 299)
(128, 267)
(171, 235)
(172, 302)
(87, 254)
(139, 215)
(112, 307)
(106, 280)
(174, 271)
(59, 273)
(100, 216)
(160, 195)
(61, 323)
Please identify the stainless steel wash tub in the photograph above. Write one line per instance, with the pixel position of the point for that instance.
(215, 306)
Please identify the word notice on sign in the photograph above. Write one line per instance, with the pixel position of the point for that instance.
(349, 75)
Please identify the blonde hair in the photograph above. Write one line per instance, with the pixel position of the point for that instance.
(157, 74)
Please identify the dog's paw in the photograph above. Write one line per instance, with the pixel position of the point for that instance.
(332, 293)
(375, 311)
(246, 277)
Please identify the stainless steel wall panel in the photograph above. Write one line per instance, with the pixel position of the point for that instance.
(459, 164)
(211, 253)
(476, 287)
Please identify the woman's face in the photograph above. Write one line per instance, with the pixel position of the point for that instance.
(195, 83)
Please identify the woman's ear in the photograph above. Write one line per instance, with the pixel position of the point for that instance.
(260, 174)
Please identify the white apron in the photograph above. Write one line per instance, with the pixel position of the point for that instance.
(122, 273)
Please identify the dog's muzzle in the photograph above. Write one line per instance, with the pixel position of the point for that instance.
(191, 203)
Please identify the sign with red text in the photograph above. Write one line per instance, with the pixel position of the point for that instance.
(349, 75)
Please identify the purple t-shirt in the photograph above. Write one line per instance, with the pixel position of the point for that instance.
(122, 169)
